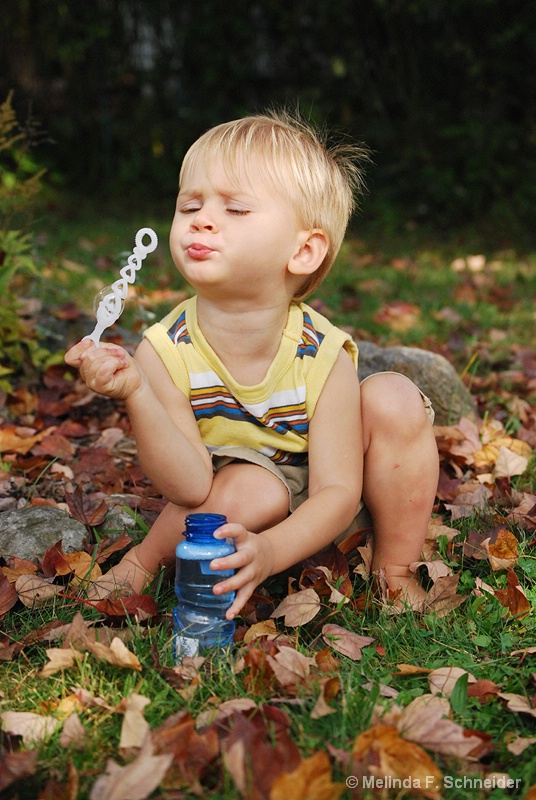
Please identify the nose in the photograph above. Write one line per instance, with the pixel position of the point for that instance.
(203, 220)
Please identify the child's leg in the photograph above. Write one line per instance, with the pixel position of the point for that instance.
(401, 472)
(243, 492)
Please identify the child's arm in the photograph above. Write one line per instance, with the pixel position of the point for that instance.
(335, 484)
(170, 448)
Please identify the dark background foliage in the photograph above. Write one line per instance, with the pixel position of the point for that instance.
(443, 91)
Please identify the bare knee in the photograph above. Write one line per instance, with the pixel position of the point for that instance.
(250, 495)
(392, 403)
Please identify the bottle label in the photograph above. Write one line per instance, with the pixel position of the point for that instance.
(185, 646)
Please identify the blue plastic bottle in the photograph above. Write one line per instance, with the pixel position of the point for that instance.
(199, 616)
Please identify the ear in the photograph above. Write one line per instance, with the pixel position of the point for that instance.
(313, 246)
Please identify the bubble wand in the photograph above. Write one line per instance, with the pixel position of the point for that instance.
(109, 302)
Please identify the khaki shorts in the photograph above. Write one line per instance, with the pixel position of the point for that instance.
(296, 479)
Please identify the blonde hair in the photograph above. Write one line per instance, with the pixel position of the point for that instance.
(320, 179)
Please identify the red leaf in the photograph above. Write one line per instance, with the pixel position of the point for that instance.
(82, 509)
(138, 605)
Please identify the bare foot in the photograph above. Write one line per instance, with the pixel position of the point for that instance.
(127, 578)
(404, 590)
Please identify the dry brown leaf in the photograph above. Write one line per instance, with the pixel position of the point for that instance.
(298, 608)
(83, 566)
(20, 440)
(135, 781)
(424, 721)
(135, 727)
(436, 569)
(35, 591)
(443, 680)
(503, 552)
(16, 766)
(290, 667)
(520, 744)
(442, 597)
(73, 733)
(266, 628)
(510, 463)
(310, 781)
(517, 703)
(411, 669)
(344, 641)
(32, 727)
(513, 597)
(192, 751)
(387, 755)
(8, 595)
(329, 688)
(117, 654)
(58, 660)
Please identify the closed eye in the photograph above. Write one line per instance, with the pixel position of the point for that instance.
(240, 212)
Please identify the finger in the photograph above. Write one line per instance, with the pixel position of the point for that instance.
(231, 530)
(240, 601)
(74, 355)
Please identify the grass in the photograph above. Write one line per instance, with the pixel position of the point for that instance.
(479, 319)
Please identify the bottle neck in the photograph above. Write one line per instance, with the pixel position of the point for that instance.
(200, 527)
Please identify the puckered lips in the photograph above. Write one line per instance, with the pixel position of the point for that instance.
(199, 251)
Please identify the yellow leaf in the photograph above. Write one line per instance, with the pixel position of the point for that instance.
(503, 552)
(311, 780)
(386, 754)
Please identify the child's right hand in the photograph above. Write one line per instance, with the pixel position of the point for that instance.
(107, 370)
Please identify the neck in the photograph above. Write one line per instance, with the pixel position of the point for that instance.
(246, 340)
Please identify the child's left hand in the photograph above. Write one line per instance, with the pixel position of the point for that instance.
(252, 562)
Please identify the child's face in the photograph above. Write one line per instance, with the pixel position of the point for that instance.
(232, 235)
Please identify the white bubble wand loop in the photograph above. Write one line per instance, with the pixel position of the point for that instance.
(110, 301)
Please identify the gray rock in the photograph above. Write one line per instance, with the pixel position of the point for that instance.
(432, 373)
(29, 532)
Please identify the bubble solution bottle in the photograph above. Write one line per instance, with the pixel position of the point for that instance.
(199, 616)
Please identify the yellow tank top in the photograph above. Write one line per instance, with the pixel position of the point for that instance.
(271, 417)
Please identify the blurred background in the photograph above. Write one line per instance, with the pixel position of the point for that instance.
(112, 92)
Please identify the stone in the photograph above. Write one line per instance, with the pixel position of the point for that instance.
(29, 532)
(433, 374)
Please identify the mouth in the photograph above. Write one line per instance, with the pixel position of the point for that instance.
(199, 251)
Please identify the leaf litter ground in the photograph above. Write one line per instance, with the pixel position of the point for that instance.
(329, 690)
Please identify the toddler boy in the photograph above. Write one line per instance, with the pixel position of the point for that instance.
(243, 400)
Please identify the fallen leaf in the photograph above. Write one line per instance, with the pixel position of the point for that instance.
(520, 744)
(15, 766)
(59, 659)
(35, 591)
(192, 751)
(442, 597)
(388, 755)
(298, 608)
(290, 667)
(73, 733)
(8, 595)
(329, 688)
(443, 680)
(311, 780)
(517, 703)
(424, 721)
(259, 629)
(502, 552)
(344, 641)
(20, 440)
(117, 654)
(83, 509)
(135, 781)
(33, 728)
(258, 749)
(134, 727)
(513, 597)
(509, 463)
